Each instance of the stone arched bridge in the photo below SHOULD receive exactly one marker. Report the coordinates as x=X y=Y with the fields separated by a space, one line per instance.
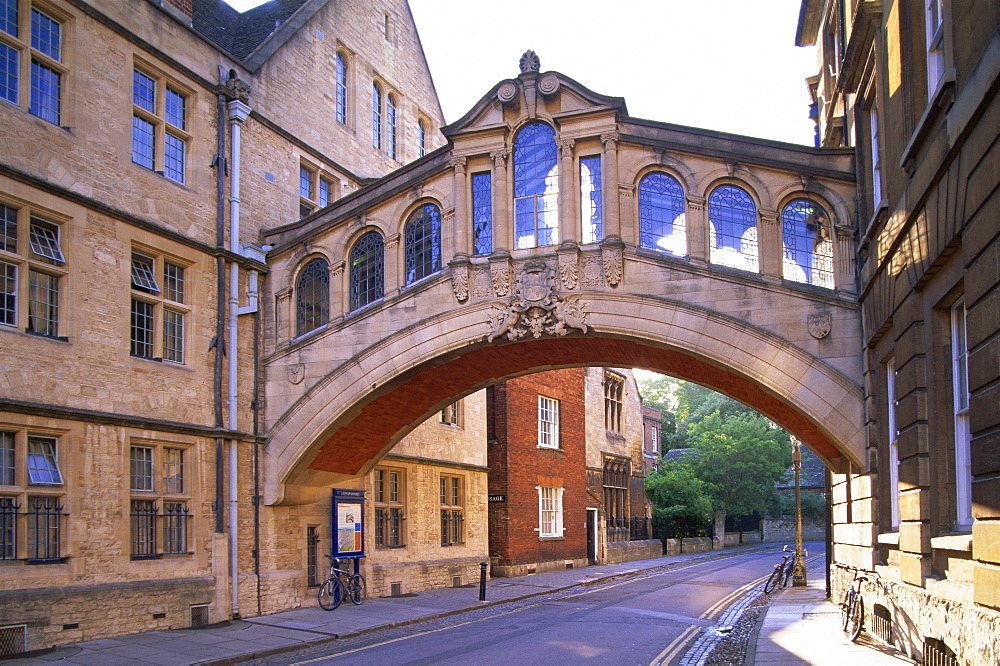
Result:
x=555 y=230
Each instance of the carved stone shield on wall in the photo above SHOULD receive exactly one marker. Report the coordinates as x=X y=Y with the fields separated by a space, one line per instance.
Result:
x=820 y=325
x=536 y=308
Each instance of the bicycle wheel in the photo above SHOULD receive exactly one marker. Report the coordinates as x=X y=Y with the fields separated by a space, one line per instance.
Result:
x=856 y=618
x=359 y=591
x=786 y=575
x=845 y=608
x=330 y=594
x=772 y=581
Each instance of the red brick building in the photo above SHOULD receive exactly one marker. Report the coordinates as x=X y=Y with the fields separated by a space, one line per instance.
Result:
x=536 y=453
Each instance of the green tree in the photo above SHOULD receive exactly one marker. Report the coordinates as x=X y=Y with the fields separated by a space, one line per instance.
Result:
x=680 y=497
x=740 y=458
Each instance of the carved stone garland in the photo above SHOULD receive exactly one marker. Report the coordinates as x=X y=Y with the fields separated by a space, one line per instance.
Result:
x=536 y=308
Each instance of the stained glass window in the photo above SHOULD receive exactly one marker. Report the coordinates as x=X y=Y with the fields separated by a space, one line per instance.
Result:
x=732 y=218
x=536 y=186
x=661 y=214
x=482 y=213
x=591 y=199
x=312 y=296
x=423 y=243
x=367 y=270
x=807 y=246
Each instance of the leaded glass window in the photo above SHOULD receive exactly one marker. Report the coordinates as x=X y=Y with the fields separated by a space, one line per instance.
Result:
x=141 y=340
x=732 y=218
x=661 y=214
x=6 y=458
x=376 y=116
x=143 y=277
x=807 y=246
x=46 y=80
x=173 y=470
x=312 y=296
x=9 y=67
x=8 y=228
x=8 y=294
x=591 y=199
x=43 y=240
x=482 y=213
x=141 y=468
x=341 y=89
x=43 y=303
x=43 y=515
x=536 y=186
x=173 y=336
x=175 y=515
x=367 y=270
x=43 y=462
x=390 y=126
x=423 y=243
x=421 y=138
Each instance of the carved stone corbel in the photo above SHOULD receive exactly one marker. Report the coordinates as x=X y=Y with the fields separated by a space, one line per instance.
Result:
x=460 y=268
x=392 y=242
x=500 y=273
x=613 y=258
x=695 y=203
x=569 y=264
x=337 y=269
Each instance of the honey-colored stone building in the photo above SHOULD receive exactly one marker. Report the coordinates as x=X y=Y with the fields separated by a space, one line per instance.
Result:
x=911 y=87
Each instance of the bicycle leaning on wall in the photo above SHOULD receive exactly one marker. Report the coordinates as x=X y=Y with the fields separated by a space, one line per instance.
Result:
x=852 y=608
x=339 y=584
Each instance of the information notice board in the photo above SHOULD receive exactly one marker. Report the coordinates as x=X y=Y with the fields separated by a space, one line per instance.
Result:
x=348 y=523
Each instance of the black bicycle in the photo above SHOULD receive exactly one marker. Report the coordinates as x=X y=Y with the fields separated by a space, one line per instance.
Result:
x=852 y=608
x=782 y=574
x=340 y=584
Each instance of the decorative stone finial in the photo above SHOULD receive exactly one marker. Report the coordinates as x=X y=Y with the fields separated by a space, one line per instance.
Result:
x=529 y=62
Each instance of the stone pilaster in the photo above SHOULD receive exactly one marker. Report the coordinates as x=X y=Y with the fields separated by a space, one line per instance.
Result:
x=769 y=245
x=568 y=217
x=696 y=224
x=462 y=220
x=503 y=231
x=612 y=223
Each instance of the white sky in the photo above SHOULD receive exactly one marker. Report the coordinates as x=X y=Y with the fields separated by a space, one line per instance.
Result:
x=728 y=65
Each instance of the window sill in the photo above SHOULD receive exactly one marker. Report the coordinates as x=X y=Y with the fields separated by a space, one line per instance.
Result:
x=136 y=558
x=959 y=542
x=549 y=448
x=57 y=338
x=47 y=560
x=551 y=538
x=888 y=539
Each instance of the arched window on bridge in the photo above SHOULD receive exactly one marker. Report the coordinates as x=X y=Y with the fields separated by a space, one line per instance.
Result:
x=423 y=243
x=536 y=186
x=732 y=218
x=367 y=270
x=807 y=244
x=661 y=214
x=312 y=297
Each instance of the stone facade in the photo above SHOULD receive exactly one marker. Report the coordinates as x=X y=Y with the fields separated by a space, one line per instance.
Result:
x=652 y=442
x=74 y=390
x=913 y=88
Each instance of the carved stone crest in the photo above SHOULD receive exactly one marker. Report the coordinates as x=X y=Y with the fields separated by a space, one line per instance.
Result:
x=536 y=308
x=820 y=325
x=592 y=273
x=482 y=284
x=296 y=372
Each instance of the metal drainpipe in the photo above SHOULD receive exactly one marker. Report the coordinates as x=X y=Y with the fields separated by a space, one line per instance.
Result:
x=238 y=112
x=220 y=239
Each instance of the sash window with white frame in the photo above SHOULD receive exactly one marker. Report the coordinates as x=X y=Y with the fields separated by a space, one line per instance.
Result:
x=548 y=423
x=963 y=435
x=550 y=512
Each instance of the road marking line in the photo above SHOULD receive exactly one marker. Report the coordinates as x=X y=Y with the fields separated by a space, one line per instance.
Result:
x=675 y=646
x=403 y=638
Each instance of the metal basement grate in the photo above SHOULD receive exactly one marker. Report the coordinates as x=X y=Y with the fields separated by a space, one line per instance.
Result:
x=882 y=623
x=937 y=653
x=13 y=640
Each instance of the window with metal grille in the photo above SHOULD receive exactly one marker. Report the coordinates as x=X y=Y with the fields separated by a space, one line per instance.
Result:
x=451 y=510
x=732 y=217
x=44 y=516
x=482 y=213
x=312 y=556
x=550 y=512
x=591 y=199
x=662 y=214
x=160 y=514
x=807 y=244
x=8 y=527
x=143 y=519
x=548 y=422
x=937 y=653
x=536 y=186
x=423 y=243
x=389 y=506
x=614 y=387
x=367 y=270
x=174 y=520
x=13 y=639
x=881 y=623
x=312 y=297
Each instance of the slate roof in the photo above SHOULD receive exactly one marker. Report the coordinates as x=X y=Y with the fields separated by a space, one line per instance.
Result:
x=241 y=34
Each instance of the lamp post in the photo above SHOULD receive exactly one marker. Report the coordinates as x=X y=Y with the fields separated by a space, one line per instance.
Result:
x=799 y=568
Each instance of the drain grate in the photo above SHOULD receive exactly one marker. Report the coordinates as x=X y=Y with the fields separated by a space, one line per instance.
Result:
x=13 y=639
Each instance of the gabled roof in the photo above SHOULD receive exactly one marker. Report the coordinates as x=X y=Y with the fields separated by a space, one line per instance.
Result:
x=254 y=35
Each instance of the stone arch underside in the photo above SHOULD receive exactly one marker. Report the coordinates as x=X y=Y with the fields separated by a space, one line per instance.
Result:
x=352 y=417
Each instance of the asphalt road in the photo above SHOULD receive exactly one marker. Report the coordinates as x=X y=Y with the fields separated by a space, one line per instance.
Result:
x=649 y=617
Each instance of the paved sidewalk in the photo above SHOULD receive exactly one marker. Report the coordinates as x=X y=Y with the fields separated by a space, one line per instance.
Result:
x=801 y=626
x=254 y=638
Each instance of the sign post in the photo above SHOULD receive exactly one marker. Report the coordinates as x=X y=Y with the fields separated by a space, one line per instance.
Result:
x=348 y=531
